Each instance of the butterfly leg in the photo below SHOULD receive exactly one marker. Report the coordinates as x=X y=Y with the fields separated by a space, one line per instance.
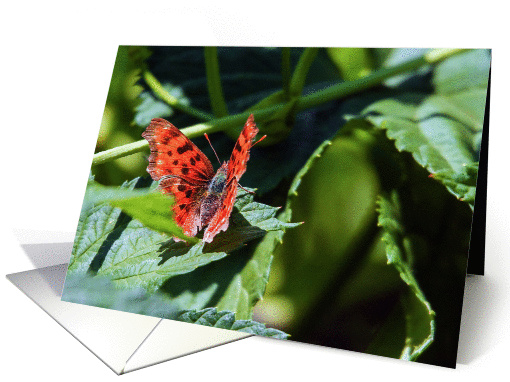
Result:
x=248 y=191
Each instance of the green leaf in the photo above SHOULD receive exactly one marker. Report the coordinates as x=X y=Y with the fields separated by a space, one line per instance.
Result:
x=258 y=214
x=151 y=107
x=226 y=320
x=461 y=72
x=420 y=318
x=397 y=56
x=133 y=254
x=462 y=184
x=98 y=225
x=442 y=131
x=154 y=210
x=302 y=172
x=353 y=63
x=150 y=207
x=134 y=262
x=249 y=284
x=334 y=194
x=101 y=292
x=117 y=122
x=243 y=277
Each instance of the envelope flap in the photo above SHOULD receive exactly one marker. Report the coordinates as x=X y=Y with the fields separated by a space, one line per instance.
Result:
x=172 y=339
x=113 y=336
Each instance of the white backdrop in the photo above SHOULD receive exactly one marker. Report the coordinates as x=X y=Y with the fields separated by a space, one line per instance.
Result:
x=56 y=63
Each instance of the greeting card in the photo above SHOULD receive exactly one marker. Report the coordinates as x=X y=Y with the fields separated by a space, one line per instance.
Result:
x=319 y=195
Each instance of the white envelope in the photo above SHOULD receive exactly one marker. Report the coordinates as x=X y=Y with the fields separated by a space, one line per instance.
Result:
x=123 y=341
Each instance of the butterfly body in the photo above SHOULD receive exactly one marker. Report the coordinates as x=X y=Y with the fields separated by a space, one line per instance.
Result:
x=211 y=200
x=202 y=196
x=217 y=183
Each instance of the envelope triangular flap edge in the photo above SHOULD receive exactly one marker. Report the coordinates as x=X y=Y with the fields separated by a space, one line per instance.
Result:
x=123 y=341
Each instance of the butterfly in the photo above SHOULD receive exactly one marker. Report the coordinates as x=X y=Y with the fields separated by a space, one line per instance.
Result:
x=202 y=197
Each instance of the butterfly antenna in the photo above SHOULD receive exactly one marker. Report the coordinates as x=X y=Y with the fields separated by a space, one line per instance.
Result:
x=207 y=137
x=259 y=140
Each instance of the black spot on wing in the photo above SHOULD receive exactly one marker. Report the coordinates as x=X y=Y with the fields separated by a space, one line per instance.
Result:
x=186 y=147
x=203 y=176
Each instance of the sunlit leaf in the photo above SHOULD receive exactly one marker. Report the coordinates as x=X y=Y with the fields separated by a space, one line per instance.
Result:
x=101 y=292
x=151 y=107
x=133 y=244
x=443 y=130
x=226 y=320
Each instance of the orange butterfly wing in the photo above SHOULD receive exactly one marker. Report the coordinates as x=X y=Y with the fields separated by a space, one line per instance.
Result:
x=236 y=168
x=181 y=169
x=241 y=152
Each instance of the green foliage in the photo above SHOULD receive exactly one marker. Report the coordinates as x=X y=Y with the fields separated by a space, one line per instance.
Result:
x=98 y=227
x=101 y=292
x=443 y=130
x=131 y=265
x=110 y=241
x=379 y=274
x=353 y=63
x=465 y=71
x=461 y=183
x=226 y=320
x=153 y=209
x=151 y=107
x=248 y=286
x=116 y=126
x=334 y=194
x=420 y=323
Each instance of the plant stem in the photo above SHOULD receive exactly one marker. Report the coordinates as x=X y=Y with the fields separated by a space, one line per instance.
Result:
x=212 y=70
x=437 y=55
x=299 y=77
x=119 y=152
x=286 y=72
x=194 y=131
x=314 y=99
x=158 y=89
x=349 y=87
